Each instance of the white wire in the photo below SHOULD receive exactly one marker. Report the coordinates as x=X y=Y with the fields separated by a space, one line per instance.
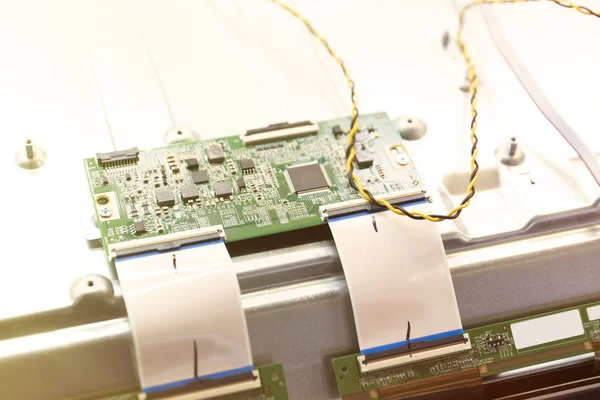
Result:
x=539 y=98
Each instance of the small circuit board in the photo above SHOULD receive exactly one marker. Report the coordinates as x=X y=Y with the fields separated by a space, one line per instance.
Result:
x=274 y=387
x=269 y=180
x=495 y=348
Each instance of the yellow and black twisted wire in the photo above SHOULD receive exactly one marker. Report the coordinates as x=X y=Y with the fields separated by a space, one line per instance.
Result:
x=353 y=179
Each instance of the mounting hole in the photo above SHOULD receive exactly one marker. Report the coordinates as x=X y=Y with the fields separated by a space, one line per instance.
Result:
x=275 y=377
x=344 y=369
x=102 y=200
x=90 y=283
x=409 y=121
x=179 y=132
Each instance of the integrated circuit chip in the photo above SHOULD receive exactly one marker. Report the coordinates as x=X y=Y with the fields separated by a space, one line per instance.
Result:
x=307 y=177
x=364 y=158
x=241 y=184
x=215 y=154
x=191 y=163
x=189 y=192
x=200 y=176
x=337 y=131
x=246 y=165
x=165 y=198
x=139 y=227
x=222 y=189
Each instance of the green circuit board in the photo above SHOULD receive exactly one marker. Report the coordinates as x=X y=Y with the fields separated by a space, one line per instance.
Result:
x=274 y=387
x=493 y=350
x=270 y=184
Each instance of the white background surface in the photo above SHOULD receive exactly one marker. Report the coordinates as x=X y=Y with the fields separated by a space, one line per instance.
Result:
x=72 y=72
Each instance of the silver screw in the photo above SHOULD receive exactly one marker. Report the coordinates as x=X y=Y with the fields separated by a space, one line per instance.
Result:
x=29 y=149
x=512 y=149
x=445 y=40
x=510 y=153
x=30 y=157
x=105 y=212
x=403 y=159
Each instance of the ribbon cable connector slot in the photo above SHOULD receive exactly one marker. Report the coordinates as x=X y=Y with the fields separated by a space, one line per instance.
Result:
x=209 y=388
x=360 y=205
x=165 y=242
x=414 y=351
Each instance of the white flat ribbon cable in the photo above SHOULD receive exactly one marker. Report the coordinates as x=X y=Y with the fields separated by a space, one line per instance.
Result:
x=186 y=315
x=399 y=282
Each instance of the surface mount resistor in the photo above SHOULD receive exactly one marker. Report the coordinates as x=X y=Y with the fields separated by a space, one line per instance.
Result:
x=172 y=163
x=231 y=166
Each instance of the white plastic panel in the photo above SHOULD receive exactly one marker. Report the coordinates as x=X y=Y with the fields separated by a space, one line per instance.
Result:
x=176 y=307
x=396 y=273
x=547 y=329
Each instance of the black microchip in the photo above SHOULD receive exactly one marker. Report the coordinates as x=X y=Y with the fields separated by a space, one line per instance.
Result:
x=246 y=165
x=189 y=192
x=337 y=130
x=191 y=163
x=364 y=158
x=222 y=189
x=165 y=198
x=307 y=177
x=215 y=154
x=241 y=184
x=139 y=227
x=199 y=177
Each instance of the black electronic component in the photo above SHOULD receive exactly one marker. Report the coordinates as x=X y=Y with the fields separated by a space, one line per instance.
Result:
x=200 y=176
x=139 y=227
x=128 y=176
x=215 y=154
x=241 y=184
x=364 y=158
x=104 y=180
x=189 y=192
x=118 y=157
x=165 y=197
x=222 y=189
x=191 y=163
x=337 y=130
x=246 y=165
x=307 y=177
